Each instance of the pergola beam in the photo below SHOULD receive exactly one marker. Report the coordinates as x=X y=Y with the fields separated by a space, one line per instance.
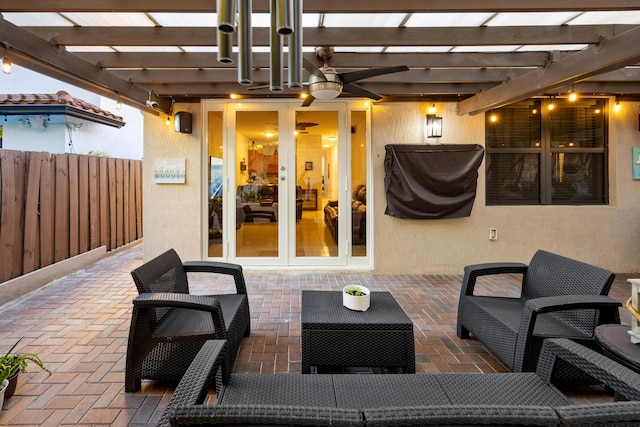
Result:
x=319 y=6
x=438 y=36
x=610 y=55
x=411 y=76
x=174 y=60
x=32 y=52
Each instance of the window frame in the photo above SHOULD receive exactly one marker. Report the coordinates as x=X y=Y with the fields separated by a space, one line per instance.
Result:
x=546 y=152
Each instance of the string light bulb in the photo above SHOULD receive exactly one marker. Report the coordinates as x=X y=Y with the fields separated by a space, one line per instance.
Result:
x=573 y=96
x=6 y=65
x=168 y=121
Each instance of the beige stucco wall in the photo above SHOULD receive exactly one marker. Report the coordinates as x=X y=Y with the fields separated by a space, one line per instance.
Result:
x=604 y=235
x=608 y=236
x=172 y=212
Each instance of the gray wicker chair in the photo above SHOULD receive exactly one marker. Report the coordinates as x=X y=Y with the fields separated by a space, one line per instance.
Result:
x=169 y=325
x=560 y=297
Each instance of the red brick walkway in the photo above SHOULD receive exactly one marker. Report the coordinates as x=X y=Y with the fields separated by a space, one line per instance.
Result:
x=79 y=326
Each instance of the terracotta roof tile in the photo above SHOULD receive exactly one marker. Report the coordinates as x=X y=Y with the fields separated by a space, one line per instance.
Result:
x=61 y=97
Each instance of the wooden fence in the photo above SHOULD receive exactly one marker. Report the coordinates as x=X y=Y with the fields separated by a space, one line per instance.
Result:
x=56 y=206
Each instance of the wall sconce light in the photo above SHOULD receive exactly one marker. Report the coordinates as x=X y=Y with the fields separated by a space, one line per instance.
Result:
x=617 y=107
x=118 y=104
x=434 y=126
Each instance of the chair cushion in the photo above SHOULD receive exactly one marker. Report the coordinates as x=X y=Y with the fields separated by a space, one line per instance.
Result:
x=505 y=389
x=274 y=389
x=364 y=390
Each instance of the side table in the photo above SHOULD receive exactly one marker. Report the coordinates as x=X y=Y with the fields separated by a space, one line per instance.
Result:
x=616 y=344
x=333 y=335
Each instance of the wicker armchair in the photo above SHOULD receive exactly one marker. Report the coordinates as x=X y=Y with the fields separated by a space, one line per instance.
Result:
x=169 y=325
x=560 y=297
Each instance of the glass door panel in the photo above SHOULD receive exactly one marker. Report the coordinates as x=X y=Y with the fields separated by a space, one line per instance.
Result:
x=316 y=174
x=358 y=183
x=215 y=184
x=256 y=178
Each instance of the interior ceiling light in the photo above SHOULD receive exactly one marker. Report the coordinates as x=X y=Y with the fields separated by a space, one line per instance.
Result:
x=269 y=134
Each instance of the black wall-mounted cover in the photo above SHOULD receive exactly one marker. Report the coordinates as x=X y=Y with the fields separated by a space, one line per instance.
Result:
x=183 y=122
x=431 y=181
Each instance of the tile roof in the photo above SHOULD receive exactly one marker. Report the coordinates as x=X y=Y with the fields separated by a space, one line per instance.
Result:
x=75 y=106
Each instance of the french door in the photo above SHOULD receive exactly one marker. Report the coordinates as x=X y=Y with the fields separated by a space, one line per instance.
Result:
x=279 y=185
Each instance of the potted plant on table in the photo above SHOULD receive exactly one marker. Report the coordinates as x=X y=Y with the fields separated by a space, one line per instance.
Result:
x=11 y=364
x=356 y=297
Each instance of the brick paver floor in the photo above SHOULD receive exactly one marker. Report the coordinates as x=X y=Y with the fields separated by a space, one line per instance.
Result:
x=79 y=326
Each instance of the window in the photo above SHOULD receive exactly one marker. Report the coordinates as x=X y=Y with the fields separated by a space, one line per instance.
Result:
x=547 y=152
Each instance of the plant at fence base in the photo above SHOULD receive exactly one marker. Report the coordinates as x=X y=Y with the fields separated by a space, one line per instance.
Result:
x=98 y=153
x=12 y=363
x=356 y=292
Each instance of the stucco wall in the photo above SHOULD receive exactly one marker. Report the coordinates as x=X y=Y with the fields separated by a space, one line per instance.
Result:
x=608 y=236
x=172 y=212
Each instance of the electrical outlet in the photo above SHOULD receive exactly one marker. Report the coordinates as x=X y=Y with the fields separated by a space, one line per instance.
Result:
x=493 y=234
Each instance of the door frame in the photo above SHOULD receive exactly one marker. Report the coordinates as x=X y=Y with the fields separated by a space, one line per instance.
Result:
x=286 y=157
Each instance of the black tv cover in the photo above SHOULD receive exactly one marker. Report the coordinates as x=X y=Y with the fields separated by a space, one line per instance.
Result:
x=431 y=181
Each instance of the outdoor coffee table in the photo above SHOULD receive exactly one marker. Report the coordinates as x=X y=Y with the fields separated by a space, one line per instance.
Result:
x=333 y=335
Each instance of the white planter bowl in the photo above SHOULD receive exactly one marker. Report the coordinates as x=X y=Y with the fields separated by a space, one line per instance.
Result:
x=357 y=303
x=3 y=387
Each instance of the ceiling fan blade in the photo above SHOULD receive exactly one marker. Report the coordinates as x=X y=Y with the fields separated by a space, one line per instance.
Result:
x=357 y=90
x=313 y=69
x=352 y=76
x=308 y=100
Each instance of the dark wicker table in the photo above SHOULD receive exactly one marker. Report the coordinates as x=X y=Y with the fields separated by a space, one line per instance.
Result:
x=616 y=343
x=333 y=335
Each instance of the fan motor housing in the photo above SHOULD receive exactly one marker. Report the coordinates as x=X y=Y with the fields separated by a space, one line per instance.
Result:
x=325 y=89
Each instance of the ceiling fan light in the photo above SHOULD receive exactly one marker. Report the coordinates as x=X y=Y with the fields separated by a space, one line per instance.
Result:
x=325 y=90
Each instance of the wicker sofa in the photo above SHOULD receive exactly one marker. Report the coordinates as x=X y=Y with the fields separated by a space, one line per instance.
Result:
x=404 y=399
x=560 y=297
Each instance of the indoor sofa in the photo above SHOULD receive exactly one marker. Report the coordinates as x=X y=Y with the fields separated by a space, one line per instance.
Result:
x=403 y=399
x=358 y=216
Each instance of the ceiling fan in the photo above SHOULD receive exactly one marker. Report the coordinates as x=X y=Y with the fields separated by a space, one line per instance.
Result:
x=326 y=83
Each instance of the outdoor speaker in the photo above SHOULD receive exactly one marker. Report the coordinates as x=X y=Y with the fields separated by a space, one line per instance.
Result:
x=182 y=121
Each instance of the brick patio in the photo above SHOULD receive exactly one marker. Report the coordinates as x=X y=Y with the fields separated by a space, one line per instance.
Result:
x=79 y=326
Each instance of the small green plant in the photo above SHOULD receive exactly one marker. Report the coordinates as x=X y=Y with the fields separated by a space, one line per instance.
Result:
x=12 y=363
x=98 y=153
x=356 y=292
